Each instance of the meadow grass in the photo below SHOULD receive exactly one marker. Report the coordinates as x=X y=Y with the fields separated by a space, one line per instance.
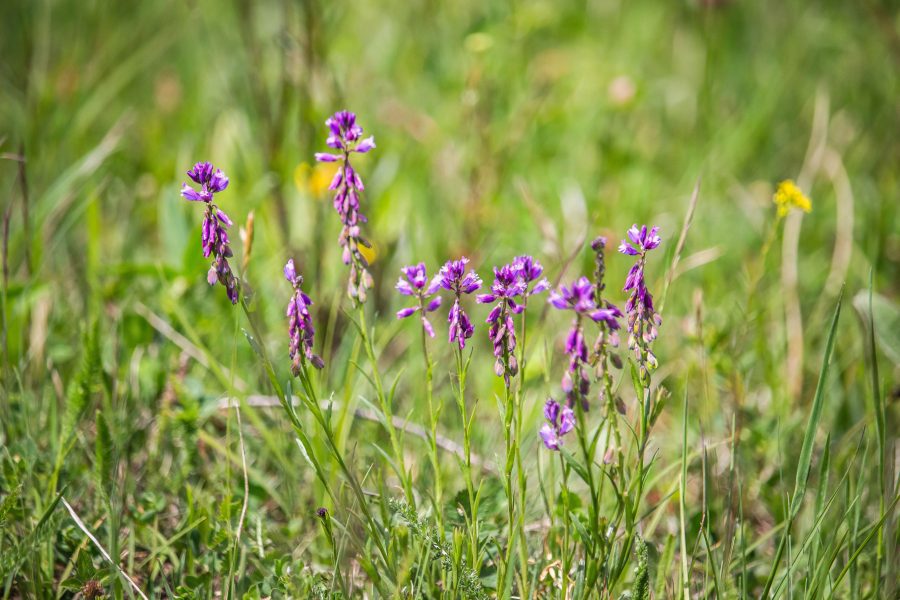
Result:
x=157 y=439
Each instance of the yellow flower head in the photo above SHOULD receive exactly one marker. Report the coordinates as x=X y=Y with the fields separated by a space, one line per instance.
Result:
x=789 y=196
x=369 y=253
x=314 y=179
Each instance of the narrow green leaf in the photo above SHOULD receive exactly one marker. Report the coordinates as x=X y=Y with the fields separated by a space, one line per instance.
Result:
x=103 y=456
x=575 y=465
x=809 y=436
x=807 y=447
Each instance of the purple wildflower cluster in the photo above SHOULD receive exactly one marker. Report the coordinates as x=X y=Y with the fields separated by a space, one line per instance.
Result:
x=560 y=421
x=300 y=327
x=506 y=287
x=608 y=336
x=345 y=136
x=579 y=298
x=513 y=284
x=510 y=282
x=529 y=271
x=214 y=233
x=643 y=321
x=454 y=278
x=416 y=284
x=585 y=299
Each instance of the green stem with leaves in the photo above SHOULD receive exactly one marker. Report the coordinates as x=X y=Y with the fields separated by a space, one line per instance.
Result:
x=433 y=416
x=462 y=368
x=385 y=404
x=508 y=415
x=566 y=529
x=311 y=401
x=520 y=469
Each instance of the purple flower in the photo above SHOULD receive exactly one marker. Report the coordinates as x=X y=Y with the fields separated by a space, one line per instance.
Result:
x=642 y=240
x=508 y=284
x=300 y=327
x=560 y=421
x=580 y=299
x=607 y=317
x=643 y=321
x=214 y=231
x=453 y=277
x=530 y=270
x=345 y=136
x=415 y=285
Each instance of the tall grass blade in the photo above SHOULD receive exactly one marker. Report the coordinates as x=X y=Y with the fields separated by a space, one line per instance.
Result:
x=806 y=450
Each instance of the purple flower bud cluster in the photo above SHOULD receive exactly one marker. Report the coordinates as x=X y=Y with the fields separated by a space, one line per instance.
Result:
x=416 y=284
x=560 y=421
x=643 y=321
x=510 y=282
x=607 y=337
x=214 y=233
x=453 y=277
x=529 y=271
x=580 y=299
x=300 y=327
x=345 y=136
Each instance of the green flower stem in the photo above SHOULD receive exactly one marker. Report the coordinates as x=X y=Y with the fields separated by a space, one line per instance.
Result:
x=386 y=409
x=433 y=416
x=508 y=484
x=312 y=404
x=566 y=566
x=461 y=371
x=522 y=480
x=637 y=483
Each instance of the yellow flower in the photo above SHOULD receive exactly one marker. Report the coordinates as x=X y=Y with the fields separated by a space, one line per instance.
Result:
x=789 y=196
x=314 y=179
x=370 y=254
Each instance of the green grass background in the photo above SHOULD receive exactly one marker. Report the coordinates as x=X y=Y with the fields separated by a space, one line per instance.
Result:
x=502 y=128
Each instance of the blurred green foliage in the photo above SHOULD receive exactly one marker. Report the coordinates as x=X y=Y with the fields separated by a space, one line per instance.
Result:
x=502 y=128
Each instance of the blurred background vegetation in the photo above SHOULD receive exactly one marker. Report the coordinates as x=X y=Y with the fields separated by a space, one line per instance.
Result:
x=503 y=128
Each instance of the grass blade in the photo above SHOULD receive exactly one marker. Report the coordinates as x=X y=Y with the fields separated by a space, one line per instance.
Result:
x=809 y=436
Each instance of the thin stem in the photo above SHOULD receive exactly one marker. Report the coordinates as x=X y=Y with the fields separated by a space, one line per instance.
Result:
x=313 y=405
x=386 y=408
x=511 y=453
x=638 y=482
x=508 y=482
x=470 y=485
x=581 y=428
x=316 y=410
x=438 y=492
x=566 y=533
x=523 y=482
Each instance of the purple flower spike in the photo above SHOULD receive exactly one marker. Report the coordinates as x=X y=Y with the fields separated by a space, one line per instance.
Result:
x=300 y=327
x=641 y=240
x=416 y=284
x=560 y=421
x=345 y=136
x=508 y=285
x=530 y=270
x=201 y=173
x=453 y=277
x=344 y=130
x=214 y=231
x=643 y=321
x=580 y=298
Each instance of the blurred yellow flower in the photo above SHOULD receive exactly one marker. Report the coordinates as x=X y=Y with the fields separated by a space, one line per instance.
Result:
x=370 y=254
x=315 y=179
x=789 y=196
